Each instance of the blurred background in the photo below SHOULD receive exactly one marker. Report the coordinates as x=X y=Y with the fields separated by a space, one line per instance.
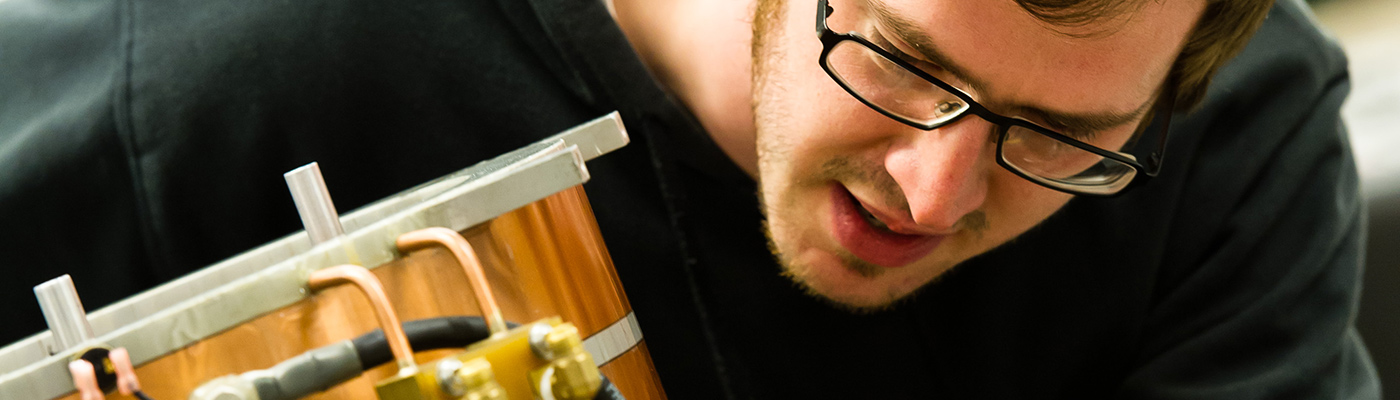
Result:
x=1369 y=30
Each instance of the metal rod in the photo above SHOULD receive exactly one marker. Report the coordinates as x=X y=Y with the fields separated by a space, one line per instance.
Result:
x=369 y=284
x=62 y=309
x=313 y=202
x=462 y=250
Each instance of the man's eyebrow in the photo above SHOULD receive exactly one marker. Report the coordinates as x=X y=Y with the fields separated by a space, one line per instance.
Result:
x=1083 y=122
x=1060 y=121
x=922 y=43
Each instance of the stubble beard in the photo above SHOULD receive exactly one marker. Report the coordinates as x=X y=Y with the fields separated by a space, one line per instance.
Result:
x=773 y=150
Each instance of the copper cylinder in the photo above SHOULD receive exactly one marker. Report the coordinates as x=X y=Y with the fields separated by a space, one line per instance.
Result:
x=542 y=260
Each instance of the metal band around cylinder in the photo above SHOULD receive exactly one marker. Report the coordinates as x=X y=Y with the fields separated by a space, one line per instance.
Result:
x=613 y=341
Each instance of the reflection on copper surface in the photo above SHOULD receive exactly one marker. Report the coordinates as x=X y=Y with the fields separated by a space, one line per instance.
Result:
x=462 y=250
x=388 y=321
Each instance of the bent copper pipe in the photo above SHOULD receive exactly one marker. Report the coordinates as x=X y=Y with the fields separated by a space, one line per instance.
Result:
x=467 y=257
x=369 y=284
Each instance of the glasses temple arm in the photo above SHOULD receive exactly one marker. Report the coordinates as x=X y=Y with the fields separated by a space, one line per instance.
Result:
x=823 y=11
x=1154 y=160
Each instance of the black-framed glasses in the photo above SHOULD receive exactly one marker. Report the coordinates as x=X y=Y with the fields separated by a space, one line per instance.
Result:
x=1075 y=164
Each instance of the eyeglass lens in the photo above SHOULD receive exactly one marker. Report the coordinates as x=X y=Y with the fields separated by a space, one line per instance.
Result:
x=892 y=87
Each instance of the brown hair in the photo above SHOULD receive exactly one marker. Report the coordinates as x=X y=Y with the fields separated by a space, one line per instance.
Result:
x=1225 y=27
x=1223 y=30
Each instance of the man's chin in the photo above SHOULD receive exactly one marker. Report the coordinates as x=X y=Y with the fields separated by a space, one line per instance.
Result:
x=848 y=283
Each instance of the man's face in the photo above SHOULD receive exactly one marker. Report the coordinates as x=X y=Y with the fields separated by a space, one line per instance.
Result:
x=864 y=210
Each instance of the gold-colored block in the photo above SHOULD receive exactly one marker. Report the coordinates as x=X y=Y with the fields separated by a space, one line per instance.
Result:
x=406 y=386
x=505 y=366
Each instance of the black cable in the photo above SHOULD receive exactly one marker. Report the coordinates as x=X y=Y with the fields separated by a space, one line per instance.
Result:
x=141 y=395
x=423 y=334
x=607 y=391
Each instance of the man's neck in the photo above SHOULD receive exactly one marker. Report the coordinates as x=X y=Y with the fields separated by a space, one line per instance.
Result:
x=699 y=49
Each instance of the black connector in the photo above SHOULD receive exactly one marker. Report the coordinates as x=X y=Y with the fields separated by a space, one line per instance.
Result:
x=607 y=391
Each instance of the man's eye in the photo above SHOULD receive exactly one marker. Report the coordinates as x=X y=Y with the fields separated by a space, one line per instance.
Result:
x=931 y=68
x=1083 y=136
x=900 y=54
x=924 y=65
x=1077 y=134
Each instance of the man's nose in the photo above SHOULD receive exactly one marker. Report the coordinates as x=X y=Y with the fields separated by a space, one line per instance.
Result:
x=943 y=172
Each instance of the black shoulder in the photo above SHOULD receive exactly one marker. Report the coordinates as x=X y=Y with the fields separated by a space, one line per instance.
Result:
x=1289 y=55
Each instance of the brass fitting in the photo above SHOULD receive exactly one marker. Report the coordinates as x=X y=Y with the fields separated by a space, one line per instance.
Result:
x=571 y=374
x=480 y=381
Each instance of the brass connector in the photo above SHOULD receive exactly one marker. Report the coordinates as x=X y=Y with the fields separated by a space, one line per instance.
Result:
x=508 y=365
x=571 y=374
x=479 y=381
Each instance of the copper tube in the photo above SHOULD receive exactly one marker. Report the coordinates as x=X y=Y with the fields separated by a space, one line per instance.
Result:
x=467 y=257
x=369 y=284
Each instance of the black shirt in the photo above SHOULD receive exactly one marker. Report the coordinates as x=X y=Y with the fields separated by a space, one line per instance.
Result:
x=141 y=140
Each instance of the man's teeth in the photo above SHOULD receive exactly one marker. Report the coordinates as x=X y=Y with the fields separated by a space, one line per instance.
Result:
x=875 y=222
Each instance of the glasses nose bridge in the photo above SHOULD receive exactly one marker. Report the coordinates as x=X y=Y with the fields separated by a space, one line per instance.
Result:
x=950 y=140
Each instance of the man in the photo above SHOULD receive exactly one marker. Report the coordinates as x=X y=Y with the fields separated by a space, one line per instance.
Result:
x=917 y=164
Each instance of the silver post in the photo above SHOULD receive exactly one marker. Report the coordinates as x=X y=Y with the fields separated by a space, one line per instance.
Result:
x=64 y=312
x=313 y=201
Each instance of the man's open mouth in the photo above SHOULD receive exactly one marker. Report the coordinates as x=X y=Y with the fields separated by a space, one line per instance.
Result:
x=874 y=222
x=869 y=238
